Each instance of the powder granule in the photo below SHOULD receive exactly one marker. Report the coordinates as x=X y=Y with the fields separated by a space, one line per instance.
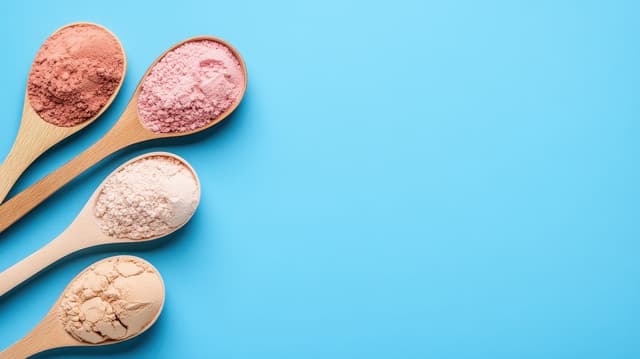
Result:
x=114 y=299
x=147 y=198
x=190 y=87
x=74 y=74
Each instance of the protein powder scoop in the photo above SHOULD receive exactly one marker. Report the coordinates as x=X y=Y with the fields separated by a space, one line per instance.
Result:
x=113 y=300
x=147 y=198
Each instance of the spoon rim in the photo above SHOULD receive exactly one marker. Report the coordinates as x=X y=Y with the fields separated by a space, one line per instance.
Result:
x=111 y=98
x=218 y=119
x=90 y=205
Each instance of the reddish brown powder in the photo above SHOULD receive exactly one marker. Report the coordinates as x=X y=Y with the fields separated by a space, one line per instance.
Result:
x=74 y=74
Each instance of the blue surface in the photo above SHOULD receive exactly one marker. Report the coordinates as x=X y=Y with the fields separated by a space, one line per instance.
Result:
x=452 y=179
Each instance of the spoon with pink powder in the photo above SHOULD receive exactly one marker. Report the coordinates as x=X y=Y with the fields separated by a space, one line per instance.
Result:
x=149 y=197
x=74 y=77
x=193 y=86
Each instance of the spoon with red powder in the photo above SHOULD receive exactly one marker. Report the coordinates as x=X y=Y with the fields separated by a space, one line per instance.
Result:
x=74 y=77
x=191 y=87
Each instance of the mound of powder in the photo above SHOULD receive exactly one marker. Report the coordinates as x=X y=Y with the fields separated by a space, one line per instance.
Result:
x=113 y=299
x=190 y=87
x=74 y=74
x=147 y=198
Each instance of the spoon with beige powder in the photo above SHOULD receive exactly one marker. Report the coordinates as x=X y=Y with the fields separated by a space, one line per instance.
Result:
x=74 y=77
x=193 y=86
x=147 y=198
x=113 y=300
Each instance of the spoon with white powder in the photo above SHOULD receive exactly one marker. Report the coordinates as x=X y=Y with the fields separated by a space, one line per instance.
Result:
x=147 y=198
x=113 y=300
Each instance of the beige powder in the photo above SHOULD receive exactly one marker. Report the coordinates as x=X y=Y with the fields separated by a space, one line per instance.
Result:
x=114 y=299
x=150 y=197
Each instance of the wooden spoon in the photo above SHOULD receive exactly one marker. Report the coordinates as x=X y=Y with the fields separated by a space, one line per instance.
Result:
x=51 y=334
x=36 y=135
x=127 y=131
x=83 y=233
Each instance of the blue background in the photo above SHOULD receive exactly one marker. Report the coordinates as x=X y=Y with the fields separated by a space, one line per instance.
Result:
x=426 y=179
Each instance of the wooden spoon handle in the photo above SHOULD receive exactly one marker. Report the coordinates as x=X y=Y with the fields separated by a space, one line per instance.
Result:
x=11 y=169
x=36 y=262
x=34 y=138
x=26 y=347
x=48 y=334
x=22 y=203
x=15 y=208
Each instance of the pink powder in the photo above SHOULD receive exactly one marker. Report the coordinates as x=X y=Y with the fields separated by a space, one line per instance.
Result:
x=190 y=87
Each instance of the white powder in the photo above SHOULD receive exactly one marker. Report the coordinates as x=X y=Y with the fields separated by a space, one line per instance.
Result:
x=148 y=198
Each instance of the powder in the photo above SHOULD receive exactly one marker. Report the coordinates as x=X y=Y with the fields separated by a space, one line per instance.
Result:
x=74 y=74
x=147 y=198
x=114 y=299
x=190 y=87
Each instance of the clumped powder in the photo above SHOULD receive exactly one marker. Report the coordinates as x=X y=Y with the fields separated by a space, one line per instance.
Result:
x=147 y=198
x=74 y=74
x=114 y=299
x=190 y=87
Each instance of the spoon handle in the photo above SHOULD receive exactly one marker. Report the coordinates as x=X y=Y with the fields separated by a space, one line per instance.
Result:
x=46 y=335
x=37 y=261
x=26 y=347
x=11 y=169
x=122 y=135
x=22 y=203
x=34 y=138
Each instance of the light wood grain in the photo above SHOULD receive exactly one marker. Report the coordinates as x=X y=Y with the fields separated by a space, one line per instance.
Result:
x=50 y=333
x=81 y=234
x=127 y=131
x=47 y=335
x=36 y=136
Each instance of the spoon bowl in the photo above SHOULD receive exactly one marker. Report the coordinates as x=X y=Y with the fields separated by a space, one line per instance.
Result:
x=84 y=232
x=36 y=135
x=127 y=131
x=51 y=334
